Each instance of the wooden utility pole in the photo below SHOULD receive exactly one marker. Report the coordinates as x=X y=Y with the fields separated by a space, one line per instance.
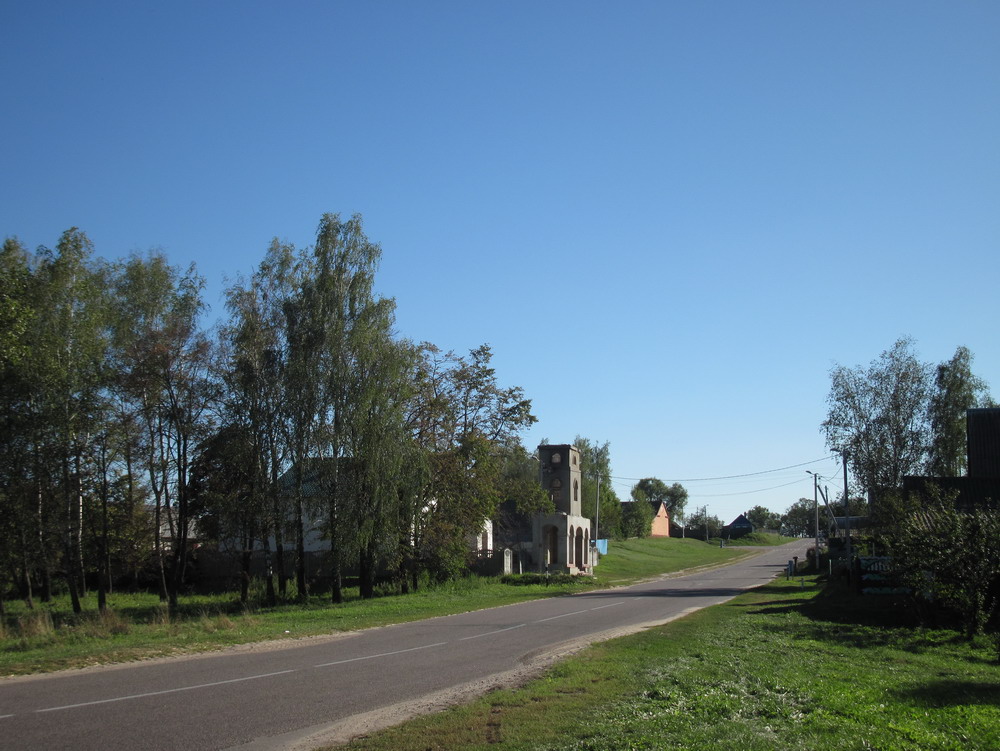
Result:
x=847 y=509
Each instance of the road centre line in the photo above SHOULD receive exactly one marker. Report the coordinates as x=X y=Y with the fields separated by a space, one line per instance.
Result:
x=322 y=665
x=382 y=654
x=490 y=633
x=564 y=615
x=165 y=691
x=581 y=612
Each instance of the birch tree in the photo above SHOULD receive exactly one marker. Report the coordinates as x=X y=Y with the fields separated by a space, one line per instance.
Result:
x=878 y=415
x=955 y=391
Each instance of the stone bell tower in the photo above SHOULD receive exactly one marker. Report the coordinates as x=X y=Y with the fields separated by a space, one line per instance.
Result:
x=561 y=540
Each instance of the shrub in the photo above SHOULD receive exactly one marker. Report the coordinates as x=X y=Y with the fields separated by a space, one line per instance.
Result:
x=35 y=624
x=522 y=580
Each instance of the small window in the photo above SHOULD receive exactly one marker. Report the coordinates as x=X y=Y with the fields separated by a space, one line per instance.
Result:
x=557 y=458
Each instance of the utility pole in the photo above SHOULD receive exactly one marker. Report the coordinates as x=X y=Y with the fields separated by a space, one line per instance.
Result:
x=597 y=518
x=847 y=509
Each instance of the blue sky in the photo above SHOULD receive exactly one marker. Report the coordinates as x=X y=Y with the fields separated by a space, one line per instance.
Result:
x=669 y=220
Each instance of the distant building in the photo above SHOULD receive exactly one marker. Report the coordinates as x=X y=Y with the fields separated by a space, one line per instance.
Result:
x=738 y=527
x=661 y=520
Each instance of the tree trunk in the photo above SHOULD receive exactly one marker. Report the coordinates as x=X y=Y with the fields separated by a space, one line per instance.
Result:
x=366 y=569
x=179 y=558
x=158 y=549
x=78 y=526
x=26 y=591
x=300 y=544
x=43 y=553
x=246 y=558
x=279 y=562
x=270 y=596
x=70 y=563
x=104 y=572
x=157 y=486
x=336 y=568
x=71 y=580
x=279 y=529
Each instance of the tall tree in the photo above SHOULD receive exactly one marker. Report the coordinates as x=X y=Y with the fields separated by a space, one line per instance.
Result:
x=955 y=390
x=18 y=503
x=878 y=415
x=359 y=402
x=165 y=367
x=345 y=385
x=69 y=347
x=254 y=372
x=799 y=520
x=673 y=496
x=467 y=428
x=595 y=471
x=763 y=518
x=15 y=308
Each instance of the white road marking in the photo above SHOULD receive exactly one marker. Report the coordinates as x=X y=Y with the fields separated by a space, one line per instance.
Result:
x=490 y=633
x=5 y=716
x=165 y=691
x=564 y=615
x=601 y=607
x=383 y=654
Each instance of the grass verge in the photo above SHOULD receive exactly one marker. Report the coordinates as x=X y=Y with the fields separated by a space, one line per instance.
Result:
x=777 y=668
x=51 y=637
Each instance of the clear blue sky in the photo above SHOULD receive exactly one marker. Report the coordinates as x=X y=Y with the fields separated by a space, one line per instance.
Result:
x=669 y=219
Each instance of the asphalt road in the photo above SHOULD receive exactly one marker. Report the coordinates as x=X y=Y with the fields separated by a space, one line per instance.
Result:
x=299 y=695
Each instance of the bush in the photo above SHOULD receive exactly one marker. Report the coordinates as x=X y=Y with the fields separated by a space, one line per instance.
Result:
x=949 y=558
x=523 y=580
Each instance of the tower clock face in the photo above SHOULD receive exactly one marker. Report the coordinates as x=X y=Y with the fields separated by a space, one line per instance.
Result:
x=556 y=458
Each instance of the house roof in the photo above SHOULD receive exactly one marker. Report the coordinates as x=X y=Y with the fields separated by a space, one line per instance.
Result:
x=657 y=505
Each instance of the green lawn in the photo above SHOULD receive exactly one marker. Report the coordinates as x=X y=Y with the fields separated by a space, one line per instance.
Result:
x=50 y=637
x=778 y=668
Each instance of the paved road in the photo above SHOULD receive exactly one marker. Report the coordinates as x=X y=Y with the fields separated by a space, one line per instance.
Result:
x=280 y=698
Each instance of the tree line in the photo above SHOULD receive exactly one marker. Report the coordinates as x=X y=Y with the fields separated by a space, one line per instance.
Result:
x=125 y=422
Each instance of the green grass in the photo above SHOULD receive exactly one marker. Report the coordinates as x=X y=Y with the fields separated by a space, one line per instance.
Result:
x=51 y=637
x=631 y=560
x=777 y=668
x=761 y=538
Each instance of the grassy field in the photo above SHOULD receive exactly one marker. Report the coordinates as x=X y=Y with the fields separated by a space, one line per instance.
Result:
x=778 y=668
x=50 y=637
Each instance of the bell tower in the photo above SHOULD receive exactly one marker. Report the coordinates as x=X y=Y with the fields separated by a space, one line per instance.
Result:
x=561 y=476
x=561 y=539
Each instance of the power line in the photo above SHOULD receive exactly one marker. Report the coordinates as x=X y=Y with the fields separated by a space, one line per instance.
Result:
x=748 y=492
x=733 y=477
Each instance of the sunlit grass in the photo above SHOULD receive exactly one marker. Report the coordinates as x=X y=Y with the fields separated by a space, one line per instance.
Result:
x=778 y=668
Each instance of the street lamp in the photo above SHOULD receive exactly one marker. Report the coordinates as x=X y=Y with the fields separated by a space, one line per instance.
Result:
x=816 y=479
